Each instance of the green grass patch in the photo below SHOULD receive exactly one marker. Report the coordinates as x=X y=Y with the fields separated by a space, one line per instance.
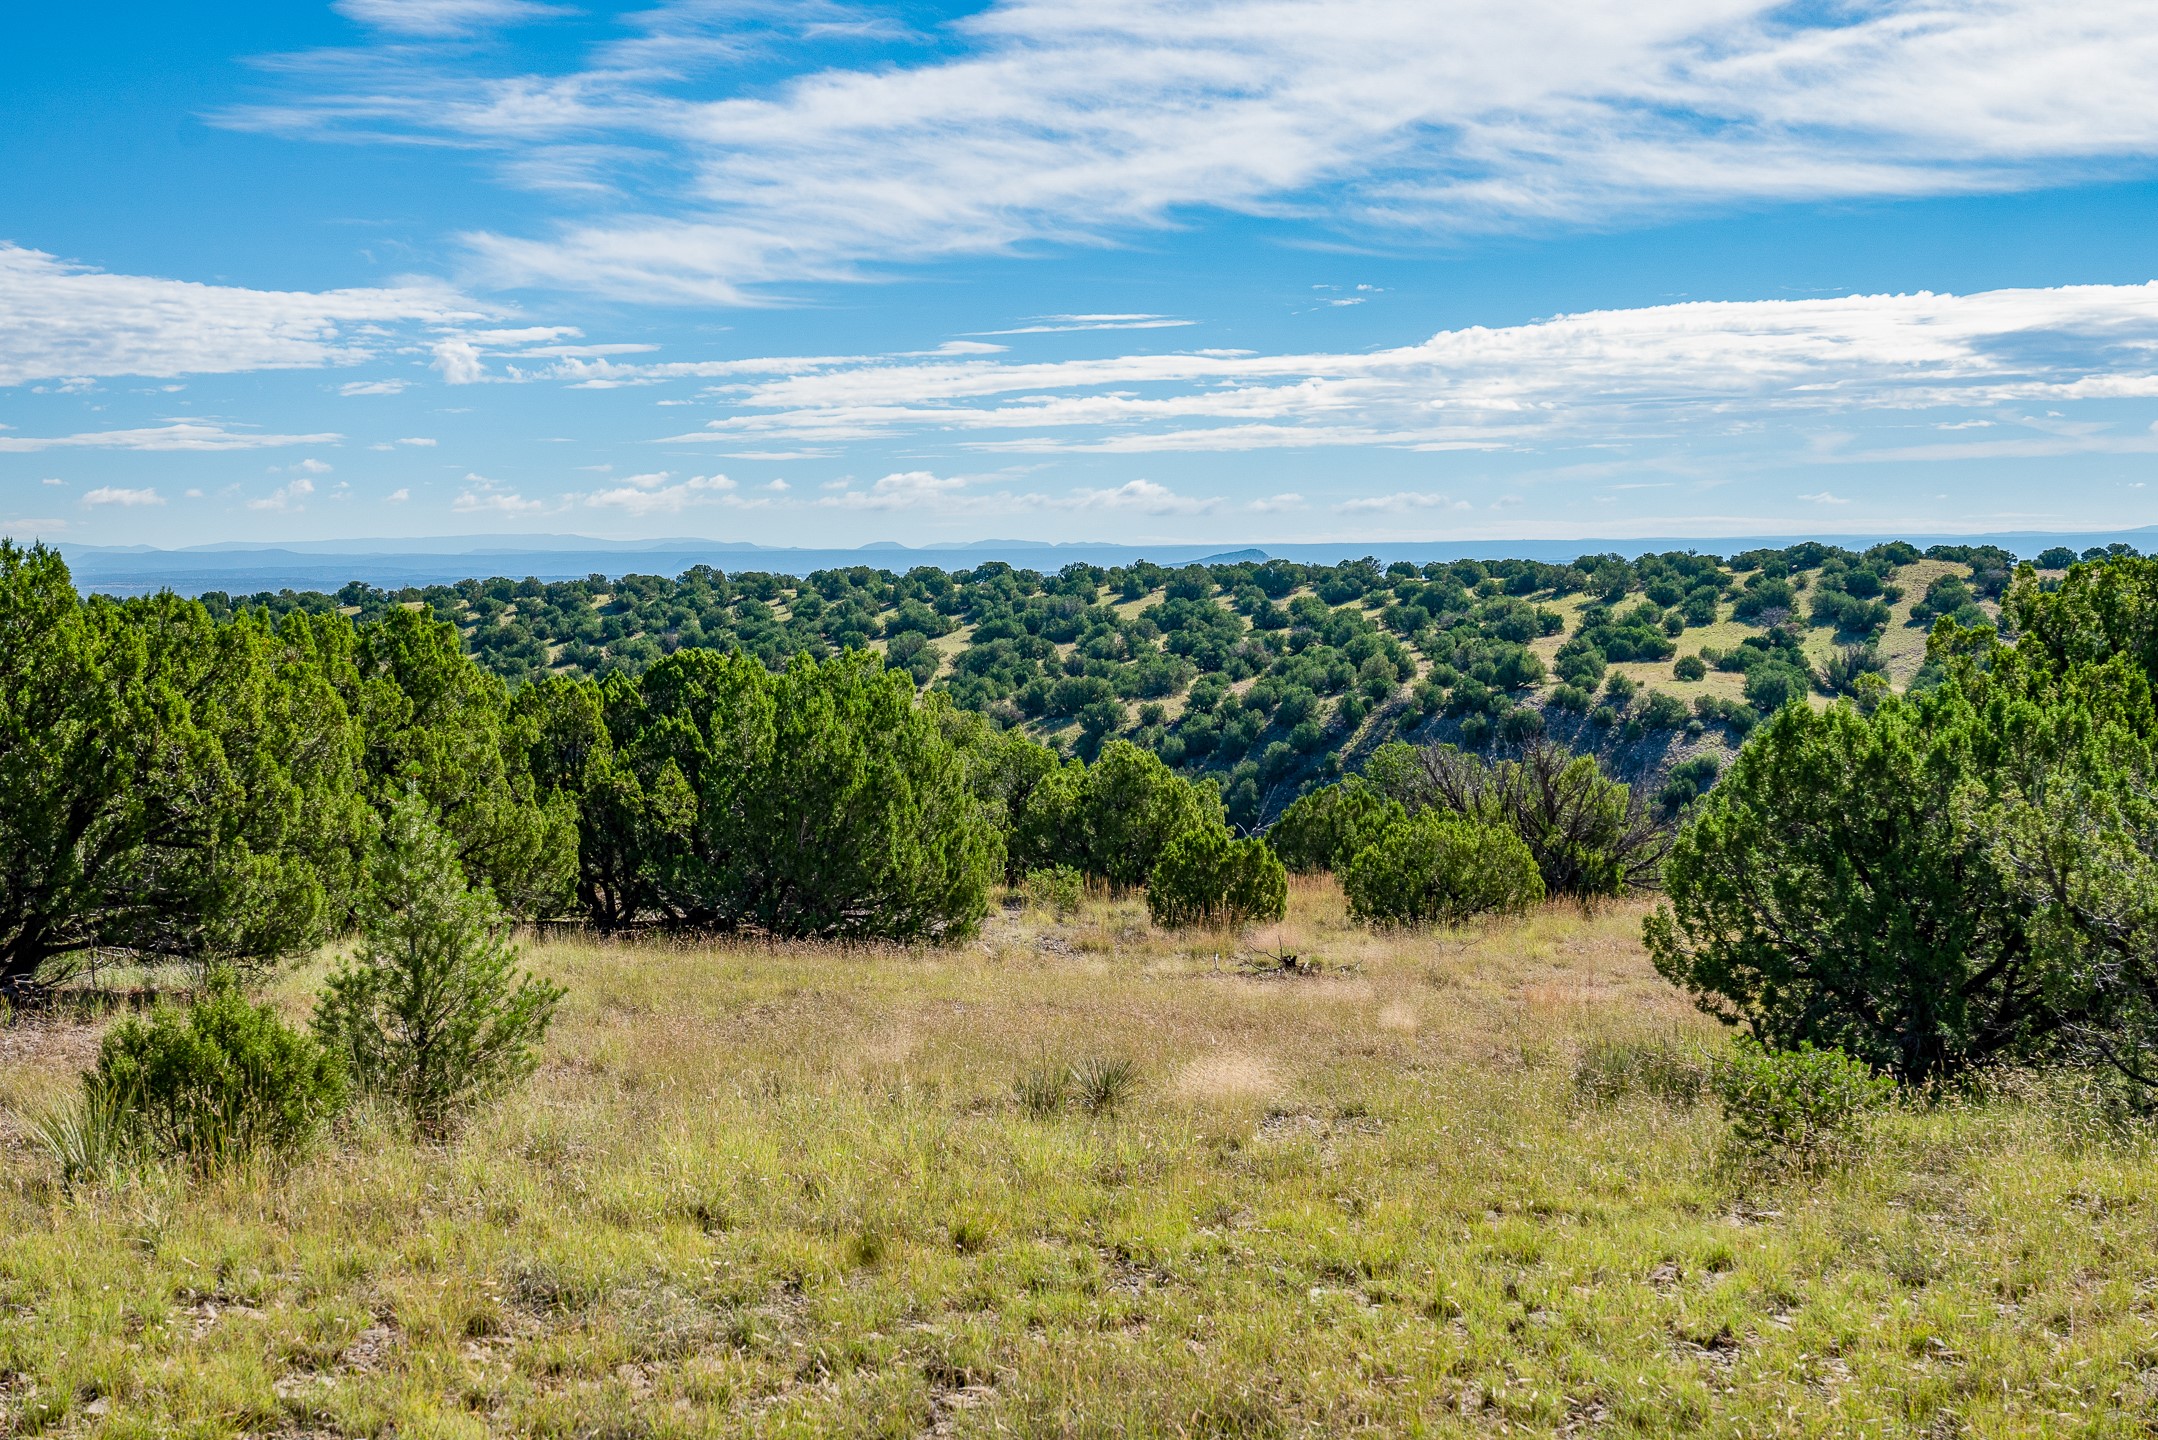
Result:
x=1463 y=1183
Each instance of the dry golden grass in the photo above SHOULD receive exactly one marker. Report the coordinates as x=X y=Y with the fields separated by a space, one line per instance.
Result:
x=781 y=1190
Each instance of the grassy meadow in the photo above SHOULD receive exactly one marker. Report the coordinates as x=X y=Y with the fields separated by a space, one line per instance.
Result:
x=1082 y=1177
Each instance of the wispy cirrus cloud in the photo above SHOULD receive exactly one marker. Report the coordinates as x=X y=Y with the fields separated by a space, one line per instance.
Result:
x=60 y=319
x=179 y=435
x=1070 y=324
x=1613 y=374
x=1083 y=121
x=1400 y=500
x=439 y=18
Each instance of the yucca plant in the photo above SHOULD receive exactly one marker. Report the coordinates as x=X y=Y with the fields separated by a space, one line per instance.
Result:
x=91 y=1140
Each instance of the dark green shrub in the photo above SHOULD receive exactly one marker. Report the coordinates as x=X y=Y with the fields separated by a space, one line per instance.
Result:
x=431 y=1015
x=217 y=1082
x=1833 y=889
x=1520 y=723
x=822 y=801
x=1113 y=819
x=1687 y=782
x=1689 y=667
x=1590 y=835
x=1206 y=878
x=1764 y=595
x=1795 y=1107
x=1739 y=717
x=1580 y=663
x=1662 y=711
x=1949 y=596
x=1441 y=869
x=1324 y=829
x=1842 y=671
x=1774 y=684
x=1570 y=697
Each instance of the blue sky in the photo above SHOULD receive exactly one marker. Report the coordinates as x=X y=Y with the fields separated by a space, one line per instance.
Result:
x=1218 y=270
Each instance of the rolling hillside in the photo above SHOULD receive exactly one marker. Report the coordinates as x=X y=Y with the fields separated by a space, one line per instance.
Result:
x=1270 y=675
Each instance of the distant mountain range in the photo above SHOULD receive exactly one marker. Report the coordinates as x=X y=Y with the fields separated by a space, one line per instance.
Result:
x=243 y=568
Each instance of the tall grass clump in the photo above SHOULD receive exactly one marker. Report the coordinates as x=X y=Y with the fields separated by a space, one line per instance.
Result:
x=1102 y=1086
x=1057 y=889
x=1043 y=1091
x=92 y=1140
x=1099 y=1085
x=1661 y=1067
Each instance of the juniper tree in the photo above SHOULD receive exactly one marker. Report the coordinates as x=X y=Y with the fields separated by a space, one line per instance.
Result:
x=432 y=1014
x=170 y=784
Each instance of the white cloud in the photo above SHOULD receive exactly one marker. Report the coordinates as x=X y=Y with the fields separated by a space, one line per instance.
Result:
x=374 y=387
x=311 y=466
x=62 y=319
x=459 y=361
x=1401 y=500
x=436 y=18
x=421 y=442
x=179 y=435
x=1142 y=497
x=484 y=496
x=286 y=497
x=398 y=496
x=905 y=490
x=1606 y=374
x=918 y=492
x=655 y=495
x=1066 y=324
x=524 y=335
x=1823 y=497
x=583 y=352
x=126 y=499
x=1085 y=120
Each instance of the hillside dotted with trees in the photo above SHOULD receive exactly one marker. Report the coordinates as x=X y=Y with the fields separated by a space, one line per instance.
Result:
x=1270 y=676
